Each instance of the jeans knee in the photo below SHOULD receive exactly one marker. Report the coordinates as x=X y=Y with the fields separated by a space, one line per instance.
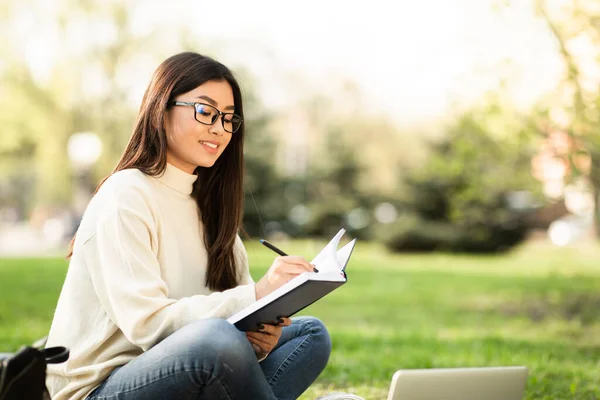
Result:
x=319 y=335
x=219 y=342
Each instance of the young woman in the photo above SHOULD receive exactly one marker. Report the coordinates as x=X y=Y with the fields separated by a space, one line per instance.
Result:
x=157 y=264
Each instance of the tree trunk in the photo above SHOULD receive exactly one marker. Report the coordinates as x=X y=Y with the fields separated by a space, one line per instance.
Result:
x=596 y=192
x=595 y=180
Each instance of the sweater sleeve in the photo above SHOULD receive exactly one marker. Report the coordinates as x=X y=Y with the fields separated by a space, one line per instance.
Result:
x=126 y=276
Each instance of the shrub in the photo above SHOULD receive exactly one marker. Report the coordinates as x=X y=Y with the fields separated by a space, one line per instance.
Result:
x=460 y=200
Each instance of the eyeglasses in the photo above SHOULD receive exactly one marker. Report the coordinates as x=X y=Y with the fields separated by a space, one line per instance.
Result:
x=208 y=115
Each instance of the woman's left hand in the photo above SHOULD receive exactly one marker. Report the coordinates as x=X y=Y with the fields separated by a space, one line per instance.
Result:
x=266 y=339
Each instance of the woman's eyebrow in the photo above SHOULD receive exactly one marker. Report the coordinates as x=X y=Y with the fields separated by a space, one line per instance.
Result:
x=214 y=103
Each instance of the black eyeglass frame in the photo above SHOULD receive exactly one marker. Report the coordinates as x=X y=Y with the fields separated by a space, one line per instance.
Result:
x=220 y=114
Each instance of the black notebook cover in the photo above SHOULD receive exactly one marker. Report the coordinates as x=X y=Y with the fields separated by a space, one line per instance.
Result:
x=301 y=291
x=288 y=304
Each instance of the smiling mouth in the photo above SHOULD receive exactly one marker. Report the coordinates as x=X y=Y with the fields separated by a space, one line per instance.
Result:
x=209 y=144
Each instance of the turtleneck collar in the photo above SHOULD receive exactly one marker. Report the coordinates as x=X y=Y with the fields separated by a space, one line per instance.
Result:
x=178 y=180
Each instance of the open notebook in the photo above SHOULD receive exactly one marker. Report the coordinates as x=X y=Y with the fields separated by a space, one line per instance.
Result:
x=301 y=291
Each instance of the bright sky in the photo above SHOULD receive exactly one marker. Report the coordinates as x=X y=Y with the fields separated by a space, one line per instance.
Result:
x=412 y=59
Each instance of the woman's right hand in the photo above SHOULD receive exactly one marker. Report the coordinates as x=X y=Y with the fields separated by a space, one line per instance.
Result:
x=282 y=270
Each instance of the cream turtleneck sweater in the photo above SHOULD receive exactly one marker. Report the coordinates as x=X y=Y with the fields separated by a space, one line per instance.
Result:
x=137 y=274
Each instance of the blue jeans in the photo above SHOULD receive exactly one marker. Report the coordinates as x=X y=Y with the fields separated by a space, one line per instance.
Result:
x=211 y=359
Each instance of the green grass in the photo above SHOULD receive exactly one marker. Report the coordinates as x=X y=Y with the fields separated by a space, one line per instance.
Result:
x=539 y=307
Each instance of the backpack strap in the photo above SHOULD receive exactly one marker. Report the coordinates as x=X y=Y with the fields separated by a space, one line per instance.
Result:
x=55 y=355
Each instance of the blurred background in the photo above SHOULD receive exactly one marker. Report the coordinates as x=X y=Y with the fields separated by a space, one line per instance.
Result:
x=432 y=125
x=447 y=129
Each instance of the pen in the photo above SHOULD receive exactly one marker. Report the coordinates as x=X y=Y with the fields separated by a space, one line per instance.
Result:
x=276 y=250
x=270 y=246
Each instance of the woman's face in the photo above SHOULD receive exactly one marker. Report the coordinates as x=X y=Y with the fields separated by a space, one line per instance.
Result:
x=191 y=144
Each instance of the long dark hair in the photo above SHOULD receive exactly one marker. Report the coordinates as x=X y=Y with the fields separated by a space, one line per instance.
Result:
x=218 y=191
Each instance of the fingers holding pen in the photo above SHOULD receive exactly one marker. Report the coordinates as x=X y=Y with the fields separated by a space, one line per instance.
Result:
x=290 y=259
x=283 y=269
x=300 y=261
x=293 y=264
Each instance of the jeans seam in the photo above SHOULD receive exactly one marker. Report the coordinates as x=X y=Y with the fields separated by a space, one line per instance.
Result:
x=108 y=397
x=284 y=362
x=223 y=387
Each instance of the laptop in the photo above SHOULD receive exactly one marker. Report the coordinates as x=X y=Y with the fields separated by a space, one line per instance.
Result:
x=485 y=383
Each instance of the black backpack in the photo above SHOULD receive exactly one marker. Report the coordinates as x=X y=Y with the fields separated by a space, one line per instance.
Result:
x=23 y=374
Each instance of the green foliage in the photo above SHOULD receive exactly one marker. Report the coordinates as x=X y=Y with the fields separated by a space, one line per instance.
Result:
x=328 y=192
x=409 y=233
x=332 y=185
x=262 y=182
x=577 y=22
x=81 y=89
x=537 y=307
x=461 y=197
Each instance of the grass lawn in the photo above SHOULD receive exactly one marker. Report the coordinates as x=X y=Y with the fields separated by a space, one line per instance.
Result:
x=538 y=306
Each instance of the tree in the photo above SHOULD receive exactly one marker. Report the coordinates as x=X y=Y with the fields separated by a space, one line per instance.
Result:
x=263 y=185
x=90 y=81
x=578 y=23
x=81 y=90
x=475 y=191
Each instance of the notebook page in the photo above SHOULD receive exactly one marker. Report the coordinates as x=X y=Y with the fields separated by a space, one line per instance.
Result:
x=327 y=259
x=343 y=254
